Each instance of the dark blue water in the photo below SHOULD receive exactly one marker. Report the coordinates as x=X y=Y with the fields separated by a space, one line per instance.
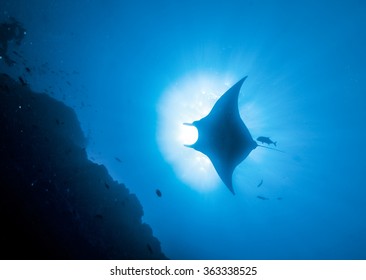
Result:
x=134 y=71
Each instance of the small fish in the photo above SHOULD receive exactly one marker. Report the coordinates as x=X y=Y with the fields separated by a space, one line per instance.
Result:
x=17 y=54
x=264 y=139
x=22 y=81
x=262 y=197
x=260 y=183
x=279 y=198
x=158 y=193
x=27 y=69
x=149 y=249
x=118 y=159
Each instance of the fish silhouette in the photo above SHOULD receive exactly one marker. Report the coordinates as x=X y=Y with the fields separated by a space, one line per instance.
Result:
x=267 y=140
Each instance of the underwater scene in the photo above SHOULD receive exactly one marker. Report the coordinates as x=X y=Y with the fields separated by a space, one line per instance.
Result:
x=183 y=129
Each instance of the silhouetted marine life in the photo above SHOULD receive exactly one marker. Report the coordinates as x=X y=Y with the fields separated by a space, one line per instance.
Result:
x=149 y=248
x=264 y=139
x=158 y=193
x=17 y=54
x=260 y=183
x=22 y=81
x=223 y=136
x=262 y=197
x=118 y=159
x=58 y=122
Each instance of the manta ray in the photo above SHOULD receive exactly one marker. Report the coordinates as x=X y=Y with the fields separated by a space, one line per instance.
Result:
x=223 y=137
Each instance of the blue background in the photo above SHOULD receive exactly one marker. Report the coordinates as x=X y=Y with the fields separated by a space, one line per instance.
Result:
x=115 y=62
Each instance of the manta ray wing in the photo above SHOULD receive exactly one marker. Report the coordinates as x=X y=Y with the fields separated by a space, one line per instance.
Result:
x=223 y=136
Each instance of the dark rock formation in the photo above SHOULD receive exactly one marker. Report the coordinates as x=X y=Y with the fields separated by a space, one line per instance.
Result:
x=54 y=202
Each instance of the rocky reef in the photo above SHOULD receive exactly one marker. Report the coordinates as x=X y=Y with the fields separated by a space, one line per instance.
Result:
x=54 y=202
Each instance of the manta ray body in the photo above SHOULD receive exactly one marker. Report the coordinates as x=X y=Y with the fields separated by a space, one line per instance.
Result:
x=223 y=137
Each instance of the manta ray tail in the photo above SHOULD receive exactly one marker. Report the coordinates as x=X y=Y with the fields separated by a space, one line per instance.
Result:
x=271 y=148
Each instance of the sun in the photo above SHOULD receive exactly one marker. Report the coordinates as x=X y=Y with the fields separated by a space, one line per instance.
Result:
x=188 y=135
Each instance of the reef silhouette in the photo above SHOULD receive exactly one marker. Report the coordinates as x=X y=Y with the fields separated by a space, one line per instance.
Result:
x=54 y=202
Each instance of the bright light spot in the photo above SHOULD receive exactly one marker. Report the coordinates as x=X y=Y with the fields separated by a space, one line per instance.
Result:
x=188 y=134
x=188 y=100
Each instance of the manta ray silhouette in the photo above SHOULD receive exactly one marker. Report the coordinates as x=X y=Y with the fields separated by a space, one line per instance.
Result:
x=223 y=137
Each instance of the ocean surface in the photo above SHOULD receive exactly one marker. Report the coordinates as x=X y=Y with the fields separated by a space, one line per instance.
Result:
x=135 y=71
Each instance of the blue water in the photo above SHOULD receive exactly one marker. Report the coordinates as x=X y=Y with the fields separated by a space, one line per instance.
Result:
x=134 y=70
